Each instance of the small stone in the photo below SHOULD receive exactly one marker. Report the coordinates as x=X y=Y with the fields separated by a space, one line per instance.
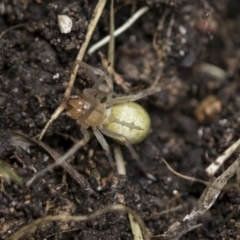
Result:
x=64 y=24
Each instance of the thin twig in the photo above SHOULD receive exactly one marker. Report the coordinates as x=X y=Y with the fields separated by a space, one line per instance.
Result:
x=117 y=77
x=136 y=230
x=12 y=28
x=214 y=166
x=120 y=30
x=32 y=227
x=111 y=46
x=205 y=202
x=96 y=15
x=62 y=161
x=184 y=176
x=67 y=167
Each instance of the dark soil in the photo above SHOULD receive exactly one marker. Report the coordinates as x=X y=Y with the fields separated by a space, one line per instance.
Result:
x=194 y=118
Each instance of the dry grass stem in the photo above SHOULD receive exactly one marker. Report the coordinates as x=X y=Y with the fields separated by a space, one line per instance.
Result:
x=136 y=230
x=205 y=202
x=214 y=166
x=16 y=137
x=32 y=227
x=120 y=30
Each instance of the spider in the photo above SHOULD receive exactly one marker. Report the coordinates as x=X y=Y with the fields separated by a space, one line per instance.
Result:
x=119 y=118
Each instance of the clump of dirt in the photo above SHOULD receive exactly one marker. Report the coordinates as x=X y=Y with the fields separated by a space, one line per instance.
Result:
x=191 y=49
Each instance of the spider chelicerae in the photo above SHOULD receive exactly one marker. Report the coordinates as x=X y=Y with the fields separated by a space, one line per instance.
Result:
x=119 y=118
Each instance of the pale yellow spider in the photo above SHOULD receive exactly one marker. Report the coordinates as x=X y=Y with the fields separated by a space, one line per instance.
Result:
x=119 y=118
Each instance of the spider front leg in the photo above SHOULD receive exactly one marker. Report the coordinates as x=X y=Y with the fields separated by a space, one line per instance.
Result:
x=123 y=140
x=95 y=71
x=99 y=90
x=54 y=116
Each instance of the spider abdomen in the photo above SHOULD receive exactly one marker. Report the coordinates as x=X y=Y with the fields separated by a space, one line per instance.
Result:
x=128 y=119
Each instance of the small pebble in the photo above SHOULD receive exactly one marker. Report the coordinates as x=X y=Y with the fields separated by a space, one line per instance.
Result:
x=64 y=24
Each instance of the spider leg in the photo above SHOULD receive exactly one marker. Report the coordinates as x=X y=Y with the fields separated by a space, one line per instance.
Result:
x=102 y=90
x=99 y=89
x=120 y=138
x=54 y=116
x=105 y=146
x=98 y=72
x=134 y=97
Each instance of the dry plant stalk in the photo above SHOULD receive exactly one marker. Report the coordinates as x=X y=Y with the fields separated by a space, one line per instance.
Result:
x=184 y=176
x=205 y=202
x=117 y=77
x=135 y=226
x=32 y=227
x=214 y=166
x=18 y=139
x=120 y=30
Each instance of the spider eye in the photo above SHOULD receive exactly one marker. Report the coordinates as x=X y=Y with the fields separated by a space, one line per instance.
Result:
x=86 y=106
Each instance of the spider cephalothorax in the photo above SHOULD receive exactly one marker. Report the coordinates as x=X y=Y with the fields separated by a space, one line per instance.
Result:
x=78 y=108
